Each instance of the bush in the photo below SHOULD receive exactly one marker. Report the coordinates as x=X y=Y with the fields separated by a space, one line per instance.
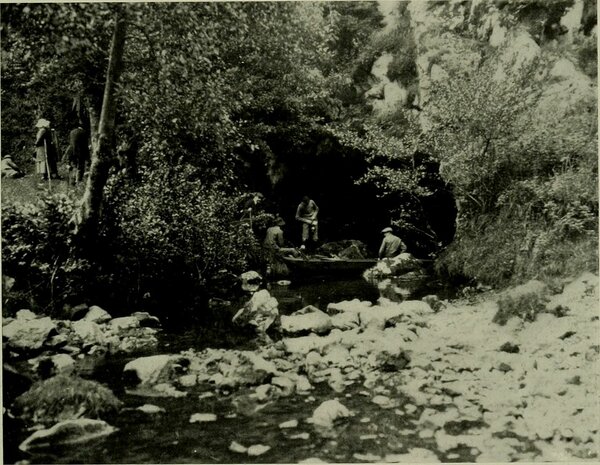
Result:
x=505 y=249
x=39 y=252
x=65 y=397
x=170 y=235
x=524 y=302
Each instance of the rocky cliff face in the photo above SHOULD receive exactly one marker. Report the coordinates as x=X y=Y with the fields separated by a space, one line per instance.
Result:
x=456 y=36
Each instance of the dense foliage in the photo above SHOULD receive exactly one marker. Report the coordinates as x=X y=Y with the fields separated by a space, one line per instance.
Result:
x=39 y=251
x=349 y=102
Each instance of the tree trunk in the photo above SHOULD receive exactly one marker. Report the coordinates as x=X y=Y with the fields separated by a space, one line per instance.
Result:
x=94 y=122
x=87 y=218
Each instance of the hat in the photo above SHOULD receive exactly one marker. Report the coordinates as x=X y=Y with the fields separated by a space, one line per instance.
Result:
x=8 y=155
x=385 y=230
x=42 y=123
x=279 y=221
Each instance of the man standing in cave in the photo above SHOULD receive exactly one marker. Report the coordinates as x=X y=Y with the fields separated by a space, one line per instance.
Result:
x=307 y=213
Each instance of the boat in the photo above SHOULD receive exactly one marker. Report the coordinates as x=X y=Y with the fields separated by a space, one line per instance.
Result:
x=318 y=265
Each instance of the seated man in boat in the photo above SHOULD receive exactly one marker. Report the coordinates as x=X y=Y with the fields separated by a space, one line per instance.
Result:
x=275 y=250
x=391 y=245
x=274 y=238
x=307 y=213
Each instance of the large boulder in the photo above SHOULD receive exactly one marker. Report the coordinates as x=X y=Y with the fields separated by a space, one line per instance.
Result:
x=67 y=432
x=260 y=311
x=54 y=365
x=354 y=306
x=27 y=334
x=328 y=413
x=97 y=315
x=395 y=266
x=124 y=323
x=65 y=397
x=25 y=315
x=309 y=319
x=88 y=331
x=146 y=320
x=152 y=370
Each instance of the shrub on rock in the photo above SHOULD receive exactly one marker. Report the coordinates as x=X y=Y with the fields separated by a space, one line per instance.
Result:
x=524 y=301
x=65 y=397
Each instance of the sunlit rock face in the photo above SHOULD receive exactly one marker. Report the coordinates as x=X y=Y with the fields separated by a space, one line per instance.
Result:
x=452 y=38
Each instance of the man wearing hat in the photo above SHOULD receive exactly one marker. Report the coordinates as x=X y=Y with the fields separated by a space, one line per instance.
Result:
x=45 y=150
x=274 y=235
x=77 y=154
x=391 y=245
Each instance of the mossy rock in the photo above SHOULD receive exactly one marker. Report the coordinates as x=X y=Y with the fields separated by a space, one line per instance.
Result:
x=65 y=397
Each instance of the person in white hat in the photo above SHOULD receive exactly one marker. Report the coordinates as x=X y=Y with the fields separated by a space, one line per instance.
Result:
x=46 y=156
x=391 y=245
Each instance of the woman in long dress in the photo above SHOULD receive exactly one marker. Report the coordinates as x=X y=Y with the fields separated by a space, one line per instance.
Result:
x=45 y=151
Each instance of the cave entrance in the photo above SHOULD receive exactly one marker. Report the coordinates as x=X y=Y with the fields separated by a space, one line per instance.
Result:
x=327 y=173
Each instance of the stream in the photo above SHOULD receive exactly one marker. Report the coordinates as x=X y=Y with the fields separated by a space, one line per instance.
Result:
x=169 y=437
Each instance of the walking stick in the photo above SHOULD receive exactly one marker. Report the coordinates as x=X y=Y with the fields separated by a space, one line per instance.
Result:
x=47 y=166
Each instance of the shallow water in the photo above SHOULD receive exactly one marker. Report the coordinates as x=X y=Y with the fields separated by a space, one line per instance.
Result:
x=169 y=437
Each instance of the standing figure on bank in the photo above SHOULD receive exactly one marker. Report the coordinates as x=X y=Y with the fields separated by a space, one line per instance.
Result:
x=307 y=213
x=77 y=154
x=252 y=207
x=46 y=156
x=391 y=245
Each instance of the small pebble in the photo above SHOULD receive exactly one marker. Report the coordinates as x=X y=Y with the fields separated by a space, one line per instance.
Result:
x=289 y=424
x=367 y=457
x=257 y=449
x=237 y=447
x=202 y=417
x=149 y=408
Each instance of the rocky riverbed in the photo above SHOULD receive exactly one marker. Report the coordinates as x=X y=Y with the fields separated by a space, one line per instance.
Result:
x=420 y=380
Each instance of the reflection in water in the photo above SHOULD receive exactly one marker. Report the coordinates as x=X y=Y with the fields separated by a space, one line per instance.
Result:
x=320 y=293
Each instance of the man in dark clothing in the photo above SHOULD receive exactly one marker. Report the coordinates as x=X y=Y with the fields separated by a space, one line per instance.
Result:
x=391 y=245
x=77 y=154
